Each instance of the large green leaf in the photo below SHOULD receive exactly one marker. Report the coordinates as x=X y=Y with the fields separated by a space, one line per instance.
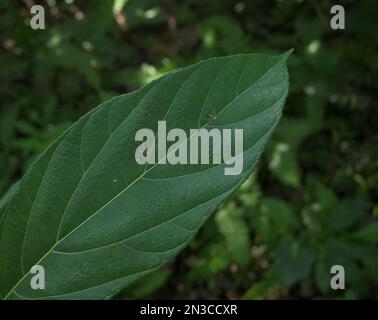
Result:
x=95 y=219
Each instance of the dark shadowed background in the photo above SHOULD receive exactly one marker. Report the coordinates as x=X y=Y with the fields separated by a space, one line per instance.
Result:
x=312 y=203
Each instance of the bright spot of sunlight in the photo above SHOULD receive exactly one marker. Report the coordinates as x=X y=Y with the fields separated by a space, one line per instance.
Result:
x=313 y=47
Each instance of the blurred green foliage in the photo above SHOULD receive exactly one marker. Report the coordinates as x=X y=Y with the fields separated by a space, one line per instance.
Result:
x=313 y=202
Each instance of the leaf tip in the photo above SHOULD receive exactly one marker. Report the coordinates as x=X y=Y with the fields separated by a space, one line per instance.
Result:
x=287 y=54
